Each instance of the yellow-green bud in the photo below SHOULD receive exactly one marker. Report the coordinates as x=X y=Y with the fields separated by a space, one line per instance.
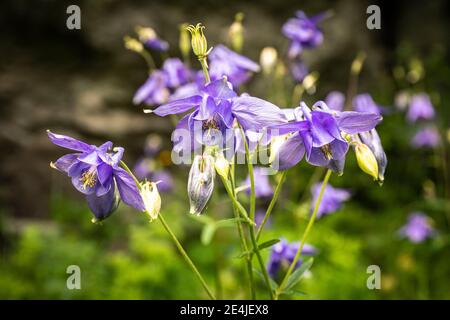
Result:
x=145 y=34
x=133 y=44
x=366 y=160
x=268 y=59
x=151 y=198
x=184 y=41
x=198 y=41
x=236 y=32
x=222 y=166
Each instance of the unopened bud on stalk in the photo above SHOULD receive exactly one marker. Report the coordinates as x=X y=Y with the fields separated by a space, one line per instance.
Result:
x=184 y=41
x=151 y=198
x=198 y=41
x=268 y=59
x=236 y=32
x=372 y=140
x=133 y=44
x=145 y=34
x=366 y=159
x=222 y=166
x=201 y=182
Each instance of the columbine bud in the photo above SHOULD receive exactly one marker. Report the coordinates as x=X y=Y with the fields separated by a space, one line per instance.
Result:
x=133 y=44
x=201 y=182
x=236 y=32
x=222 y=166
x=366 y=159
x=198 y=41
x=145 y=34
x=151 y=198
x=372 y=140
x=268 y=59
x=184 y=41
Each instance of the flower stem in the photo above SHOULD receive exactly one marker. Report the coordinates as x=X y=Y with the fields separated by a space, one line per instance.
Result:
x=205 y=69
x=272 y=204
x=305 y=235
x=174 y=238
x=186 y=257
x=252 y=217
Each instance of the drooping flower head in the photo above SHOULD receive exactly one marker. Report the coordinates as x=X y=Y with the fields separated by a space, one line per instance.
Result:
x=318 y=134
x=283 y=253
x=418 y=228
x=303 y=32
x=225 y=62
x=372 y=140
x=332 y=199
x=201 y=183
x=420 y=107
x=151 y=40
x=96 y=173
x=427 y=137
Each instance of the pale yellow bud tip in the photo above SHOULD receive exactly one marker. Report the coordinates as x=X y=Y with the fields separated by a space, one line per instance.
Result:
x=366 y=160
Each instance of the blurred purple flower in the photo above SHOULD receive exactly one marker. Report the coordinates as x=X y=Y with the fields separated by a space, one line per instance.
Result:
x=283 y=253
x=332 y=199
x=236 y=67
x=319 y=136
x=427 y=137
x=418 y=228
x=259 y=217
x=176 y=72
x=364 y=103
x=298 y=70
x=303 y=33
x=335 y=100
x=154 y=91
x=95 y=172
x=157 y=44
x=420 y=107
x=263 y=188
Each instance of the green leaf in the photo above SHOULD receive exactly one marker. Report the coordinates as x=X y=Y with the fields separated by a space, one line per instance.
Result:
x=268 y=244
x=295 y=277
x=208 y=233
x=228 y=222
x=294 y=293
x=273 y=284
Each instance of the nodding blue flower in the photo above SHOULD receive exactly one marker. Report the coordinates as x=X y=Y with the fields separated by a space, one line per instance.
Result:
x=263 y=188
x=225 y=62
x=427 y=137
x=303 y=32
x=216 y=108
x=373 y=141
x=364 y=103
x=95 y=172
x=159 y=85
x=283 y=253
x=335 y=100
x=151 y=40
x=298 y=70
x=420 y=107
x=318 y=134
x=418 y=228
x=332 y=199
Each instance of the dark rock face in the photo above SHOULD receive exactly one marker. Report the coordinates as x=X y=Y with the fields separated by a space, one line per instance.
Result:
x=81 y=82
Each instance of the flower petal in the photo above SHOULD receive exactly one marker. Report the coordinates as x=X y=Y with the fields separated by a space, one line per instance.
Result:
x=220 y=89
x=129 y=191
x=289 y=154
x=65 y=162
x=105 y=205
x=289 y=127
x=178 y=106
x=355 y=122
x=68 y=142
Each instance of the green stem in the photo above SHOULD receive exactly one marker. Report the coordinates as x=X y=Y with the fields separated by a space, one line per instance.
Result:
x=148 y=59
x=252 y=216
x=272 y=204
x=305 y=235
x=236 y=203
x=174 y=238
x=205 y=69
x=186 y=257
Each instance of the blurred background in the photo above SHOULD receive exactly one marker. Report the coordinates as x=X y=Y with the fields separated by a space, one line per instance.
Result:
x=81 y=83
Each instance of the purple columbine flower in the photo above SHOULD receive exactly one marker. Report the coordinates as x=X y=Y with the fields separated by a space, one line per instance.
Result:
x=427 y=137
x=263 y=188
x=236 y=67
x=303 y=32
x=364 y=103
x=216 y=108
x=156 y=90
x=317 y=134
x=335 y=100
x=420 y=107
x=95 y=172
x=282 y=255
x=418 y=228
x=332 y=199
